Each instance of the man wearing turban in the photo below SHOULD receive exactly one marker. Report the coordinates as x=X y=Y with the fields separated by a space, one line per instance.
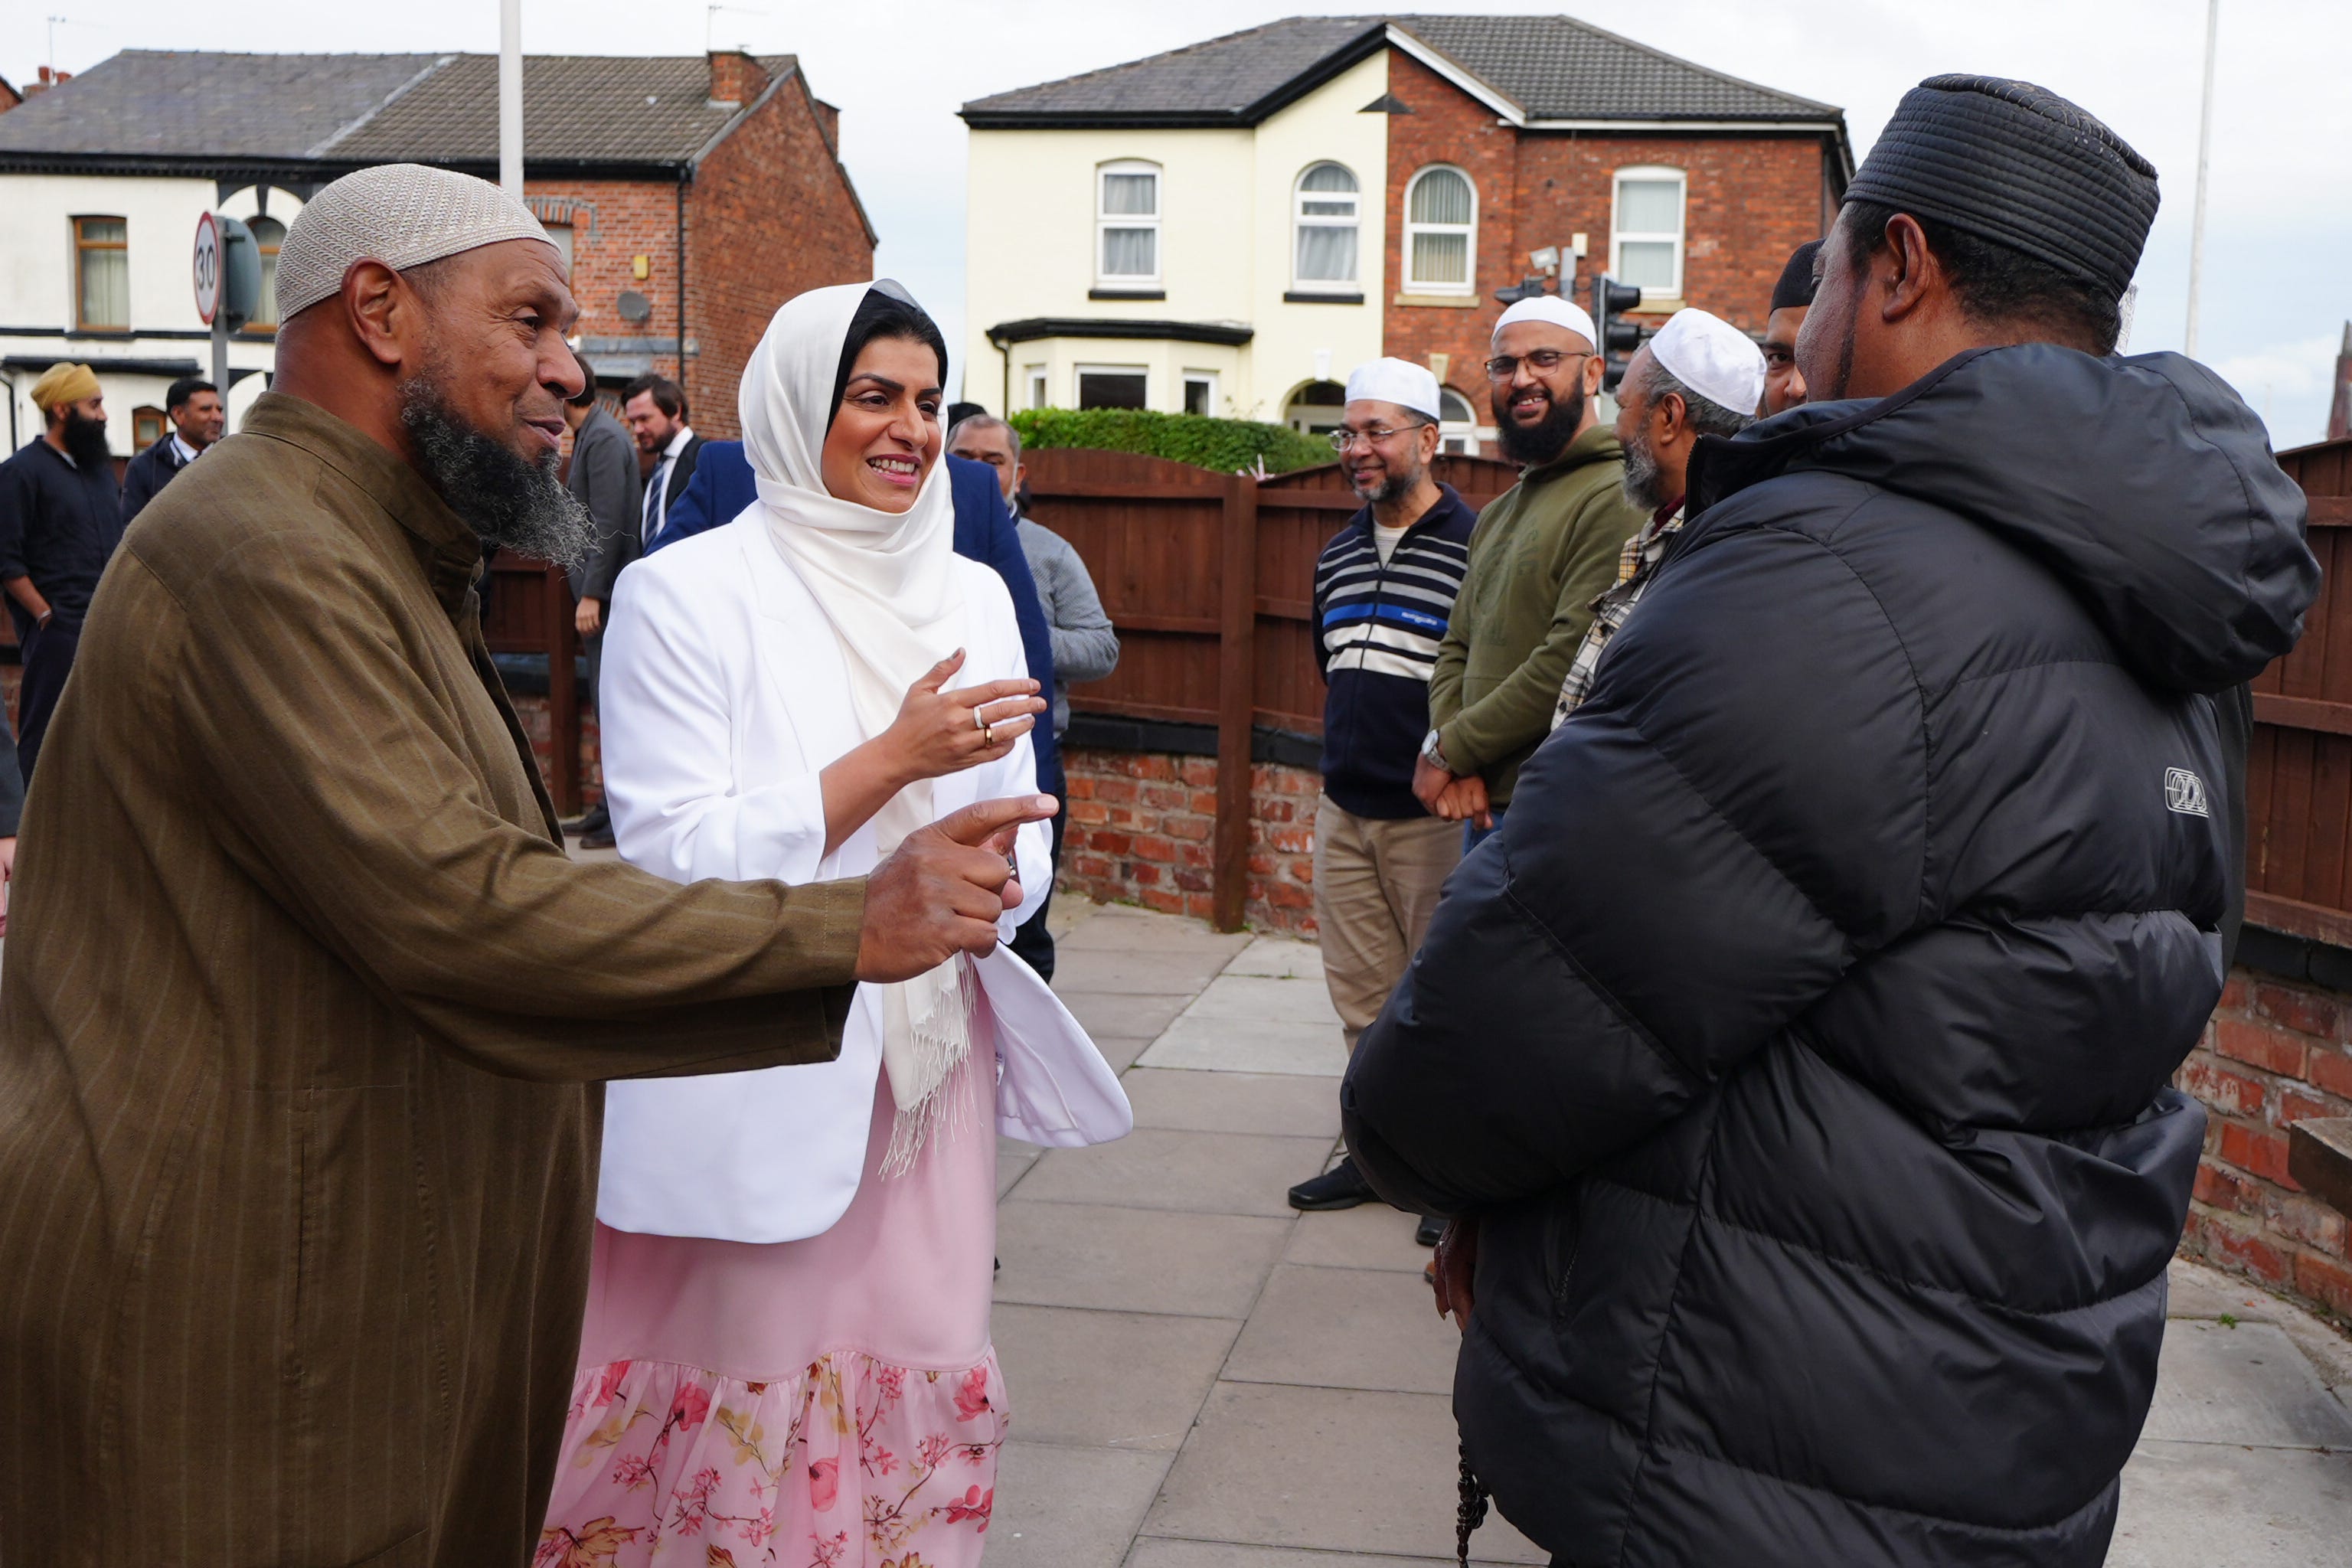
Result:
x=301 y=1035
x=60 y=515
x=1797 y=1058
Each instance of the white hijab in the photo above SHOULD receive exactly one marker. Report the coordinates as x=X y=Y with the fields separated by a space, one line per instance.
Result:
x=883 y=581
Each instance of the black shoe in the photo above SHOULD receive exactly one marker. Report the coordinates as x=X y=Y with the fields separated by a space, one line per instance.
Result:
x=1430 y=1231
x=599 y=839
x=595 y=819
x=1340 y=1187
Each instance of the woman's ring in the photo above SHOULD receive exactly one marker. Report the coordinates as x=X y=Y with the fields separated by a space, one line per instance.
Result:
x=988 y=730
x=977 y=722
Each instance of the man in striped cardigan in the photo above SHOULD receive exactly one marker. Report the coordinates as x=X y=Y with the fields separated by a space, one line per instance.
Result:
x=1383 y=589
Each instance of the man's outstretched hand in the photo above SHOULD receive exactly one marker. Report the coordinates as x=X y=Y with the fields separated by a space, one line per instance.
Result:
x=941 y=891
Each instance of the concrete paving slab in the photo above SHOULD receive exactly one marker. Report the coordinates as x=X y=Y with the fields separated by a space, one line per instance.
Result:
x=1372 y=1236
x=1235 y=1102
x=2245 y=1384
x=2199 y=1292
x=1327 y=1470
x=1150 y=971
x=1280 y=958
x=1256 y=997
x=1134 y=1261
x=1211 y=1042
x=1154 y=1551
x=1010 y=1169
x=2194 y=1505
x=1200 y=1172
x=1136 y=1015
x=1069 y=1508
x=1118 y=928
x=1108 y=1380
x=1346 y=1328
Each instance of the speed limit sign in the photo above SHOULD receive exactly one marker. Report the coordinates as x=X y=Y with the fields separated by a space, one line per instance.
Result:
x=208 y=267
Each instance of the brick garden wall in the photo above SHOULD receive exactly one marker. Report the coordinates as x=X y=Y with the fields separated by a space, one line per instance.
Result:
x=1140 y=824
x=2276 y=1053
x=1751 y=200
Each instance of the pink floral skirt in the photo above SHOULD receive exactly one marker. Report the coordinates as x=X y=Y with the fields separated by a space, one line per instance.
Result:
x=852 y=1463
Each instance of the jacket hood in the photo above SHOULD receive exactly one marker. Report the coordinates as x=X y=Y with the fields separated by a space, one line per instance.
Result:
x=2146 y=484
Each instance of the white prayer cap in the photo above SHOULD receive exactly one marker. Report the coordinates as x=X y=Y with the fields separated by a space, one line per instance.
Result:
x=403 y=214
x=1397 y=381
x=1713 y=358
x=1552 y=308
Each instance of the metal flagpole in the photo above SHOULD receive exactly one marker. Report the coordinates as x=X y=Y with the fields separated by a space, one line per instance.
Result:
x=510 y=97
x=2204 y=151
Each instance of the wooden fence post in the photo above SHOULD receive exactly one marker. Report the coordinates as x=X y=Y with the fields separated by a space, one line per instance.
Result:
x=562 y=694
x=1236 y=698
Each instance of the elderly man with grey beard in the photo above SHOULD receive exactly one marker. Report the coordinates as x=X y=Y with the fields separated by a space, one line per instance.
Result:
x=1697 y=377
x=301 y=1042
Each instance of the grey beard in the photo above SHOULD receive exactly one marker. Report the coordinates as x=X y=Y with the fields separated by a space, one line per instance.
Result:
x=508 y=503
x=1395 y=488
x=1642 y=477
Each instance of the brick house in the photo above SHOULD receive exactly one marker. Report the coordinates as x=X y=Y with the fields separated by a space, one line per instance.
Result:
x=693 y=195
x=1238 y=223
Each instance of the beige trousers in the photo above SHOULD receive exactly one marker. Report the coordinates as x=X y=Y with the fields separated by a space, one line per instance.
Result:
x=1376 y=885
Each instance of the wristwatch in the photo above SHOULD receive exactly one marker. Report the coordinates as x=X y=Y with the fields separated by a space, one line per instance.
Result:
x=1434 y=753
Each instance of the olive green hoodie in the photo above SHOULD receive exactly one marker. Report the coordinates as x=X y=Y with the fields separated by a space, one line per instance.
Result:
x=1542 y=553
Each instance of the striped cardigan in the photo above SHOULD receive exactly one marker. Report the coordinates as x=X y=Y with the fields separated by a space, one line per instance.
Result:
x=1376 y=631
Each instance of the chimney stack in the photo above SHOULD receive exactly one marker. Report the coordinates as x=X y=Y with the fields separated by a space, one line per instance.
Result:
x=736 y=79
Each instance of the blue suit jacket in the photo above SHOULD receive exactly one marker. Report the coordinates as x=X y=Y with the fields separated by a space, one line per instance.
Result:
x=985 y=531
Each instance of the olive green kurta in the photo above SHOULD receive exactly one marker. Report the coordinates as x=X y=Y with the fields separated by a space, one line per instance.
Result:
x=300 y=1018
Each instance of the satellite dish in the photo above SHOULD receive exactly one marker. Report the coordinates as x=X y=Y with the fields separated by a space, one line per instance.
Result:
x=635 y=309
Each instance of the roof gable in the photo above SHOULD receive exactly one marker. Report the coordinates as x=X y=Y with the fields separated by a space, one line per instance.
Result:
x=197 y=108
x=1530 y=67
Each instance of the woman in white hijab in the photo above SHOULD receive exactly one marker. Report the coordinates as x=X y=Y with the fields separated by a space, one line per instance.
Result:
x=786 y=1353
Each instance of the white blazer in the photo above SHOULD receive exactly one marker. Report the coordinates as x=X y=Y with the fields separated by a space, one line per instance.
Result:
x=723 y=693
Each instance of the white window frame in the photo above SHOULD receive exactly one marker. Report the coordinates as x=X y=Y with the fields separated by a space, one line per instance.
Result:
x=1039 y=397
x=1207 y=378
x=1300 y=219
x=1456 y=435
x=1414 y=285
x=1078 y=375
x=1617 y=235
x=1107 y=221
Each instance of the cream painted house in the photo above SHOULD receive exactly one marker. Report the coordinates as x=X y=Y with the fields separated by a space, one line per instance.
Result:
x=1218 y=269
x=1233 y=227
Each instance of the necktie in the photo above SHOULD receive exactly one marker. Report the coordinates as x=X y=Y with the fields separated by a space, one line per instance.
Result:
x=654 y=500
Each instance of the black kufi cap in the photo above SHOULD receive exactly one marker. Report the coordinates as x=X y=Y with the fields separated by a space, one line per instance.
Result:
x=2019 y=165
x=1795 y=289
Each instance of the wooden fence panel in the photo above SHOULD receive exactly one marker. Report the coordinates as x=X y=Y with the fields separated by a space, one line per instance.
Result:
x=530 y=611
x=2299 y=766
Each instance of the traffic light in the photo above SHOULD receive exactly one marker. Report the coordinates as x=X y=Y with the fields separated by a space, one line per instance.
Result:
x=1532 y=287
x=1610 y=300
x=240 y=273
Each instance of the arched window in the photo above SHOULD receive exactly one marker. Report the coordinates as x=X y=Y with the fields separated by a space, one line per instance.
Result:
x=268 y=234
x=1457 y=424
x=1645 y=239
x=1325 y=218
x=1316 y=408
x=1440 y=223
x=1127 y=222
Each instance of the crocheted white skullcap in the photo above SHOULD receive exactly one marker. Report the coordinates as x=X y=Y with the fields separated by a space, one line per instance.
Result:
x=403 y=214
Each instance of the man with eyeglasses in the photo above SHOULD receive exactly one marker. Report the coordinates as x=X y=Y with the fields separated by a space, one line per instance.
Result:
x=1542 y=552
x=1383 y=589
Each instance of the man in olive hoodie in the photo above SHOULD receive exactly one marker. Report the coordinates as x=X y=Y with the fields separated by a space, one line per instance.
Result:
x=1541 y=553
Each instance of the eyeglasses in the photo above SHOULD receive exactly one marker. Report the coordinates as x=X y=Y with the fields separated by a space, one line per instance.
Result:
x=1543 y=362
x=1342 y=438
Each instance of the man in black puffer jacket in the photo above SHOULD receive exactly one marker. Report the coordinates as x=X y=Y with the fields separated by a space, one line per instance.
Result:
x=1798 y=1053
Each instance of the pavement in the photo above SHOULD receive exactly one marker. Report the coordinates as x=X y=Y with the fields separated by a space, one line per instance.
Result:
x=1201 y=1378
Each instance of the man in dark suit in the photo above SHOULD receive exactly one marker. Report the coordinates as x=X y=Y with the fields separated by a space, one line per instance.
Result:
x=604 y=476
x=198 y=418
x=655 y=407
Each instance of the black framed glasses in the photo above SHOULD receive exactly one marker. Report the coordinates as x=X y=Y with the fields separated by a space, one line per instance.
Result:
x=1543 y=362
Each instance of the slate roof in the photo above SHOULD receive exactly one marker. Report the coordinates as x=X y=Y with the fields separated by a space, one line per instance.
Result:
x=1550 y=68
x=149 y=105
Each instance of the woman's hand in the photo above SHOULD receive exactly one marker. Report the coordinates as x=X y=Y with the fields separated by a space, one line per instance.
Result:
x=938 y=732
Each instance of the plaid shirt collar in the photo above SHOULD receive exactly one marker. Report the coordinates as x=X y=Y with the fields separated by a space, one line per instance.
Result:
x=1615 y=606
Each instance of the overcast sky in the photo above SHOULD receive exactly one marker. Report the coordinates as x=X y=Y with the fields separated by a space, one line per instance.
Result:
x=2278 y=253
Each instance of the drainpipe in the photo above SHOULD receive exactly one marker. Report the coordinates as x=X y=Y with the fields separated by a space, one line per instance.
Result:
x=685 y=173
x=1004 y=353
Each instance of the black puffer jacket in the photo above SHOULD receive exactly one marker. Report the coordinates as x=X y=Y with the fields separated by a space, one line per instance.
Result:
x=1804 y=1038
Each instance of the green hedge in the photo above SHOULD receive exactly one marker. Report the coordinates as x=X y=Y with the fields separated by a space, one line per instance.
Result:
x=1224 y=445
